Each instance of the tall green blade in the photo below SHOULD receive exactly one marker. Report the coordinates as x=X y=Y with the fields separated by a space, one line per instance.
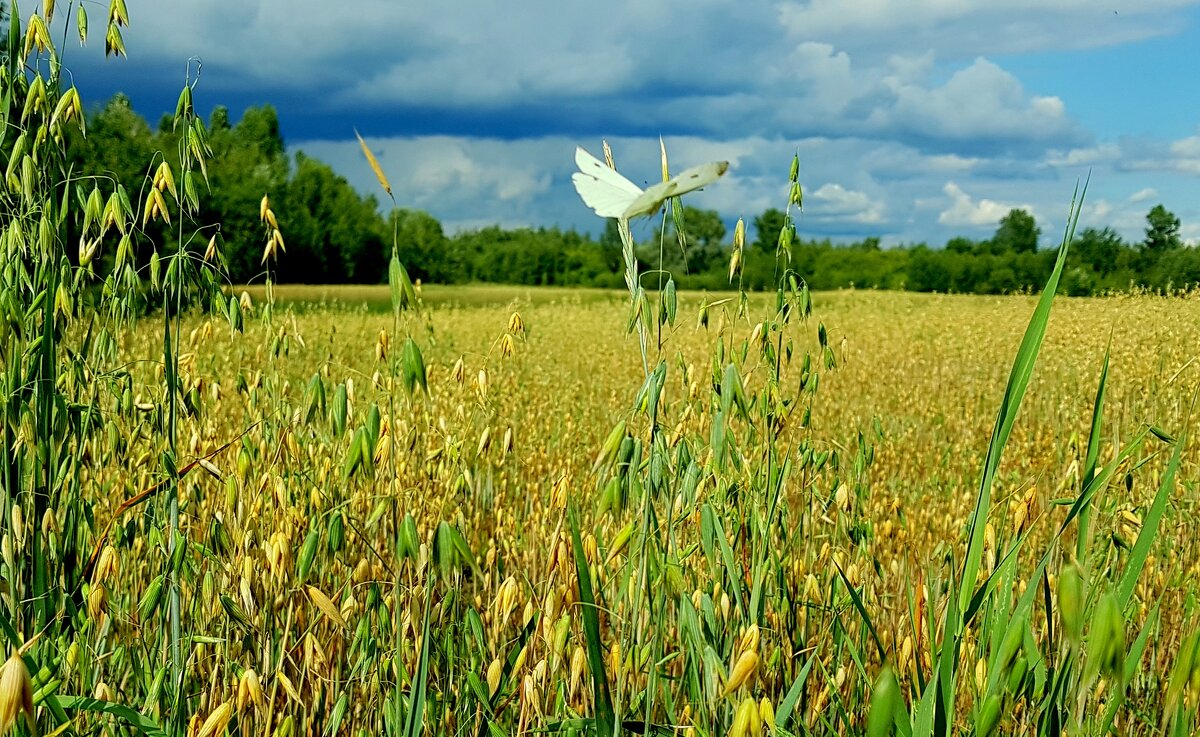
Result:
x=1093 y=453
x=1014 y=393
x=605 y=716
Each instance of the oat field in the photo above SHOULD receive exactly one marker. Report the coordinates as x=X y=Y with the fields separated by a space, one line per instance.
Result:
x=349 y=541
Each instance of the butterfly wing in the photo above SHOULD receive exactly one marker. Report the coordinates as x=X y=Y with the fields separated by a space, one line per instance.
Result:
x=603 y=189
x=699 y=176
x=648 y=202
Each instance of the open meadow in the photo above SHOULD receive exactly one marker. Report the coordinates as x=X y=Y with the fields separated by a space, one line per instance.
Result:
x=772 y=566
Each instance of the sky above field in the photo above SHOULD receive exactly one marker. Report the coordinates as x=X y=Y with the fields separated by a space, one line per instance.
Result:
x=915 y=120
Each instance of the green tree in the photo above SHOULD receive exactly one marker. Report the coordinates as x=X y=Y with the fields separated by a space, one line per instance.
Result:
x=248 y=162
x=334 y=234
x=961 y=244
x=928 y=270
x=422 y=247
x=1018 y=233
x=1098 y=249
x=1162 y=232
x=703 y=234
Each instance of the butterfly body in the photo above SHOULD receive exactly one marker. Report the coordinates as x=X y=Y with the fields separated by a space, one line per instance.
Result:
x=613 y=196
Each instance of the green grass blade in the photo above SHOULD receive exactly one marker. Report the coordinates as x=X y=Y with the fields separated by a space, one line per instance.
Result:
x=144 y=725
x=1014 y=393
x=1100 y=480
x=923 y=715
x=784 y=712
x=416 y=702
x=1149 y=531
x=1093 y=453
x=605 y=716
x=862 y=612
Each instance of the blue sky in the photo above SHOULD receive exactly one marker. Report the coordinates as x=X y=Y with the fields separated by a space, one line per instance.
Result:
x=915 y=120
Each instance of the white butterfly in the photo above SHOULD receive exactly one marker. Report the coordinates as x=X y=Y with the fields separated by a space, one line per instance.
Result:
x=613 y=196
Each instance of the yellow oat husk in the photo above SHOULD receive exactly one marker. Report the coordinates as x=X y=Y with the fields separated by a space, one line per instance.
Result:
x=216 y=722
x=743 y=671
x=326 y=605
x=16 y=693
x=375 y=167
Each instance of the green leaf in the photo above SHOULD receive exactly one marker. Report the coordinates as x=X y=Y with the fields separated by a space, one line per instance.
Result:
x=1014 y=393
x=416 y=701
x=605 y=718
x=142 y=724
x=1149 y=531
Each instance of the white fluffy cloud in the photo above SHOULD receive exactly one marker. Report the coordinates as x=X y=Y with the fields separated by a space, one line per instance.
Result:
x=903 y=112
x=834 y=202
x=971 y=27
x=719 y=70
x=979 y=101
x=965 y=210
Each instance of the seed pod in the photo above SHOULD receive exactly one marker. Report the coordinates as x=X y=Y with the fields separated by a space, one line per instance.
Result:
x=988 y=717
x=409 y=539
x=766 y=711
x=412 y=366
x=578 y=666
x=1016 y=676
x=307 y=552
x=750 y=639
x=746 y=721
x=250 y=690
x=338 y=713
x=107 y=566
x=235 y=611
x=337 y=532
x=1106 y=637
x=743 y=671
x=1013 y=639
x=16 y=693
x=323 y=602
x=151 y=598
x=670 y=301
x=341 y=410
x=208 y=586
x=97 y=601
x=619 y=542
x=217 y=720
x=516 y=324
x=1070 y=602
x=885 y=699
x=494 y=671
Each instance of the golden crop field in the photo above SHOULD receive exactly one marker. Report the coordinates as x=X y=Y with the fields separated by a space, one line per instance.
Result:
x=351 y=523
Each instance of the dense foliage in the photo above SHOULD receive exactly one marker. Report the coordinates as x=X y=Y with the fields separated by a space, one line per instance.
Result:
x=334 y=231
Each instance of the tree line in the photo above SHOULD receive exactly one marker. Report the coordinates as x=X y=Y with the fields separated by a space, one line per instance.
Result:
x=334 y=234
